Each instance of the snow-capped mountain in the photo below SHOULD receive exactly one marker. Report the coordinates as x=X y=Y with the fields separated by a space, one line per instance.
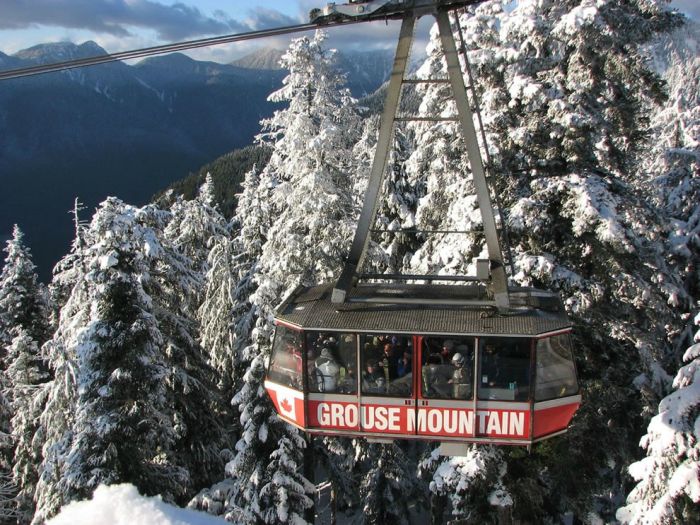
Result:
x=365 y=70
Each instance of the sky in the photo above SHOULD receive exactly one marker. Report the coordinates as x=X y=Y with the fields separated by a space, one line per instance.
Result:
x=120 y=25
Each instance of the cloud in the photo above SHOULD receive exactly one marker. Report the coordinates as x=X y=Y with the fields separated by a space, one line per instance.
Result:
x=263 y=18
x=689 y=7
x=173 y=22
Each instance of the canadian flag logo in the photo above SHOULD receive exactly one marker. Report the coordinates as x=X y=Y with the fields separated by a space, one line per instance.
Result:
x=287 y=408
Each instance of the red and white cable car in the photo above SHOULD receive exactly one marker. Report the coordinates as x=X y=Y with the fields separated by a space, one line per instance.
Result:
x=409 y=372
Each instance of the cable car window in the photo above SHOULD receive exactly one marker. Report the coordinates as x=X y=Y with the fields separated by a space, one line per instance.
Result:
x=504 y=368
x=448 y=368
x=387 y=365
x=331 y=362
x=556 y=372
x=285 y=362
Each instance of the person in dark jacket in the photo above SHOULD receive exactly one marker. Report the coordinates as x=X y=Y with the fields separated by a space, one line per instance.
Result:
x=373 y=380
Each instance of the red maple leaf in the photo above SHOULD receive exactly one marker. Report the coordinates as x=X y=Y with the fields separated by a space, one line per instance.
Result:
x=286 y=405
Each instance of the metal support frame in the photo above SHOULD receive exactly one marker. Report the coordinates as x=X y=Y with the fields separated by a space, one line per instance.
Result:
x=496 y=279
x=499 y=281
x=381 y=154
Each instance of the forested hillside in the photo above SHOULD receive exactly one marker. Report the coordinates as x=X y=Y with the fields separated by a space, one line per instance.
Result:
x=127 y=130
x=143 y=360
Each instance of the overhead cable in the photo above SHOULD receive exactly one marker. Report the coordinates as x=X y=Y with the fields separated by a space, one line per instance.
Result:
x=159 y=50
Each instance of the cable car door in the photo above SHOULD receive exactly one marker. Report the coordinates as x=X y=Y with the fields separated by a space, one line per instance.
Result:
x=387 y=385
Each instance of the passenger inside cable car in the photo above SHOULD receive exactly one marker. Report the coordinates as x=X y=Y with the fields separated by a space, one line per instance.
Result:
x=381 y=356
x=331 y=362
x=447 y=368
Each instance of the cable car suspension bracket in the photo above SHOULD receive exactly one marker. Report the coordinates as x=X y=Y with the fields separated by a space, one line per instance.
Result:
x=491 y=272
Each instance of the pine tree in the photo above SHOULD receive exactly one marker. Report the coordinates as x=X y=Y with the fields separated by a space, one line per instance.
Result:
x=673 y=159
x=566 y=100
x=312 y=142
x=215 y=314
x=389 y=486
x=196 y=224
x=391 y=250
x=193 y=404
x=339 y=458
x=61 y=394
x=120 y=431
x=668 y=488
x=299 y=220
x=26 y=376
x=285 y=496
x=22 y=298
x=472 y=484
x=68 y=270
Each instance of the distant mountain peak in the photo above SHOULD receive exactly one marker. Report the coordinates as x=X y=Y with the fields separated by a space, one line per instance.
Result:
x=264 y=58
x=60 y=51
x=177 y=60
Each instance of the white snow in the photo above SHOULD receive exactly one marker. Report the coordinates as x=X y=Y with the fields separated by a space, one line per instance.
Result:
x=109 y=260
x=123 y=505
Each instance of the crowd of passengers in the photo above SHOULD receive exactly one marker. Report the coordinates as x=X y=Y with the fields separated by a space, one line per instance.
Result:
x=388 y=368
x=446 y=370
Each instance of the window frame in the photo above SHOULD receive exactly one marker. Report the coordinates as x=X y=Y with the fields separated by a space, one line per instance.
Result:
x=272 y=374
x=361 y=340
x=527 y=393
x=307 y=386
x=572 y=359
x=470 y=340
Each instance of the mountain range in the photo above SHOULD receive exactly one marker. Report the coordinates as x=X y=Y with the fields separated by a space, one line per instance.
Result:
x=127 y=130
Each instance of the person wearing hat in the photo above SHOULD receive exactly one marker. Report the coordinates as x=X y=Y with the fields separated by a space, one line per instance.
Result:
x=328 y=371
x=461 y=377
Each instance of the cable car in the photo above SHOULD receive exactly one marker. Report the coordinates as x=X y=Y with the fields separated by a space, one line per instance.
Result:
x=415 y=358
x=404 y=371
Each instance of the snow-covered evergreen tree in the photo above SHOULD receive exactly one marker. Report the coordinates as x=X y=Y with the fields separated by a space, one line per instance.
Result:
x=25 y=377
x=566 y=97
x=296 y=219
x=193 y=404
x=389 y=486
x=396 y=216
x=668 y=489
x=468 y=482
x=68 y=270
x=193 y=228
x=672 y=164
x=22 y=298
x=196 y=223
x=55 y=431
x=120 y=431
x=285 y=496
x=312 y=160
x=339 y=458
x=215 y=314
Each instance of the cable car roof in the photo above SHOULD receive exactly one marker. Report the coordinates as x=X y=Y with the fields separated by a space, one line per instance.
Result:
x=533 y=312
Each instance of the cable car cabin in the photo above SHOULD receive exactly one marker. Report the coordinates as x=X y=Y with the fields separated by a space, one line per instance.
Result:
x=450 y=373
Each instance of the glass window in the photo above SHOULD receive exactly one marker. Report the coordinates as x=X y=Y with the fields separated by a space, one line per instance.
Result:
x=556 y=372
x=504 y=368
x=387 y=365
x=331 y=362
x=285 y=363
x=448 y=368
